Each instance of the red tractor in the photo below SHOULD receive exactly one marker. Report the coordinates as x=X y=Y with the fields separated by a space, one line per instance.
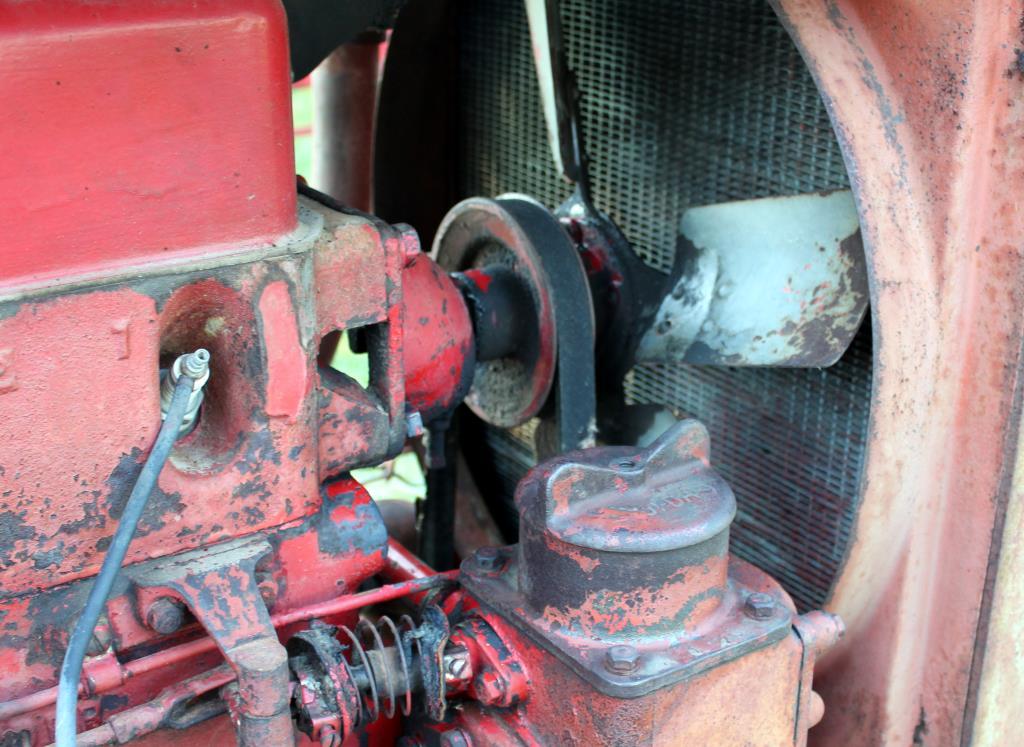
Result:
x=700 y=321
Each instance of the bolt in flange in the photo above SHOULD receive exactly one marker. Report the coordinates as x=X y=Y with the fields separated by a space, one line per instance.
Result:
x=622 y=659
x=165 y=615
x=489 y=559
x=759 y=606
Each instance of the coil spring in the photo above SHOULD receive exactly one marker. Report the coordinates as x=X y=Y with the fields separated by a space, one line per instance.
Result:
x=370 y=652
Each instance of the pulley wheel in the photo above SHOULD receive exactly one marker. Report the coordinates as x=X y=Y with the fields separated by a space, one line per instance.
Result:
x=511 y=236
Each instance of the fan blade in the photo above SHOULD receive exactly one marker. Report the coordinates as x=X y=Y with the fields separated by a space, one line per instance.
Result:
x=558 y=93
x=778 y=281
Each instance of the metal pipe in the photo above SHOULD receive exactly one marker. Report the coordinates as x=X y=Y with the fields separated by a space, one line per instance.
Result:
x=176 y=654
x=147 y=717
x=437 y=528
x=345 y=107
x=402 y=565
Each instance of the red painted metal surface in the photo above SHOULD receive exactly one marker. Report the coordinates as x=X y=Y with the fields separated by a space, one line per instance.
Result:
x=275 y=423
x=141 y=132
x=926 y=100
x=138 y=230
x=256 y=438
x=620 y=598
x=439 y=354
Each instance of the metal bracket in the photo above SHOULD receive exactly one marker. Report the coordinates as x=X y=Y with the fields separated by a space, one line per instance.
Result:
x=218 y=584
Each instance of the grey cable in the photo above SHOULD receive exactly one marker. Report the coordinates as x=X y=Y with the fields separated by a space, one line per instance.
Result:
x=71 y=669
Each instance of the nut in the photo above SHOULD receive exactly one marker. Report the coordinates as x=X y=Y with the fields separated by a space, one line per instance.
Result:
x=165 y=615
x=759 y=606
x=489 y=559
x=456 y=662
x=413 y=424
x=622 y=659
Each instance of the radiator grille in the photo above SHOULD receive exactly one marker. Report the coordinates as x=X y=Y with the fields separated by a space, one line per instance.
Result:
x=689 y=103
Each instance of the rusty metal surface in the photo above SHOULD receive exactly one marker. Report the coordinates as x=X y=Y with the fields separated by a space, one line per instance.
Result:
x=218 y=584
x=344 y=107
x=475 y=235
x=516 y=245
x=167 y=708
x=777 y=281
x=926 y=100
x=255 y=436
x=758 y=699
x=622 y=573
x=273 y=425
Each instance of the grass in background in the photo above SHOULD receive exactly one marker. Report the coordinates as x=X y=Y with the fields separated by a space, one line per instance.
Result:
x=302 y=120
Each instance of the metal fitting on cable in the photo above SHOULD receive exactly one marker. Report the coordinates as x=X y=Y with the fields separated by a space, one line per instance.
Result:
x=197 y=367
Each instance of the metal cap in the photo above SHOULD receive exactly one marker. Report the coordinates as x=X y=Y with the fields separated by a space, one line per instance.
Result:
x=665 y=497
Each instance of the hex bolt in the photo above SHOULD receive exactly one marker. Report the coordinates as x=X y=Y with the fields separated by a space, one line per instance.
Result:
x=165 y=615
x=622 y=659
x=456 y=661
x=456 y=667
x=456 y=738
x=490 y=688
x=488 y=559
x=759 y=606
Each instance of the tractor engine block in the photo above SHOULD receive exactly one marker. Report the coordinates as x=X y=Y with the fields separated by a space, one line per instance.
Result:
x=162 y=239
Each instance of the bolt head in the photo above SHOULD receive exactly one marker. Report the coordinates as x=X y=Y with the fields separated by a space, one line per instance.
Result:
x=759 y=606
x=622 y=659
x=489 y=559
x=489 y=688
x=413 y=424
x=458 y=662
x=165 y=615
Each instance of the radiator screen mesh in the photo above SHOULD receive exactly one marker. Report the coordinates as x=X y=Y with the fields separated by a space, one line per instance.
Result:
x=688 y=103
